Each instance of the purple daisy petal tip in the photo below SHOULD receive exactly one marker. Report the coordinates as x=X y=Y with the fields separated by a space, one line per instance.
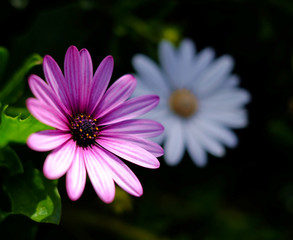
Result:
x=72 y=48
x=138 y=193
x=156 y=99
x=46 y=61
x=157 y=165
x=108 y=200
x=84 y=50
x=131 y=77
x=110 y=57
x=108 y=60
x=73 y=196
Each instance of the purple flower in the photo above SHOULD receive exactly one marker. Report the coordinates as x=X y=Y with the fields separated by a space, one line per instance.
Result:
x=94 y=126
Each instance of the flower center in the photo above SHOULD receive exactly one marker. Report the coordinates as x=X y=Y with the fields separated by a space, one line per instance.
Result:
x=183 y=102
x=84 y=129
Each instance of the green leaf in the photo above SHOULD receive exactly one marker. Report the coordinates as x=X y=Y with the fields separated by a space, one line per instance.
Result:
x=34 y=196
x=3 y=60
x=10 y=160
x=15 y=129
x=14 y=87
x=3 y=215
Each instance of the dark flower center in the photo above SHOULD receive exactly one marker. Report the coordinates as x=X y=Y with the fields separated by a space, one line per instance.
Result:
x=84 y=130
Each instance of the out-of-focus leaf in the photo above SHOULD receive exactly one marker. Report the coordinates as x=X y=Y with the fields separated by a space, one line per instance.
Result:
x=3 y=61
x=122 y=203
x=281 y=132
x=14 y=87
x=3 y=215
x=19 y=4
x=34 y=196
x=10 y=160
x=14 y=129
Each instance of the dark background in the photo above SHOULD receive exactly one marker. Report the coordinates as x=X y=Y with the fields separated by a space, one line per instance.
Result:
x=248 y=194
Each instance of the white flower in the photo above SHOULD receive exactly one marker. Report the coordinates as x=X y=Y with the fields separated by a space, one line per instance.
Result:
x=200 y=100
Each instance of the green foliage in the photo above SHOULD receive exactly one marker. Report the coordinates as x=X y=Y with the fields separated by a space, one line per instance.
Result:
x=3 y=60
x=34 y=196
x=15 y=86
x=15 y=129
x=30 y=194
x=10 y=161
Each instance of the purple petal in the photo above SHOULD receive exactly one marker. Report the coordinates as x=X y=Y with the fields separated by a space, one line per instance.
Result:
x=146 y=144
x=86 y=79
x=55 y=78
x=116 y=95
x=58 y=162
x=130 y=109
x=100 y=83
x=120 y=172
x=99 y=175
x=129 y=151
x=43 y=93
x=145 y=128
x=73 y=76
x=47 y=140
x=46 y=114
x=76 y=176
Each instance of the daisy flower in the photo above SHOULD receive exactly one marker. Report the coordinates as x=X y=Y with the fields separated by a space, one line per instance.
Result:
x=95 y=127
x=200 y=100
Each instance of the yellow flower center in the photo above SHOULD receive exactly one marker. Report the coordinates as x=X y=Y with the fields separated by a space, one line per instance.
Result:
x=183 y=103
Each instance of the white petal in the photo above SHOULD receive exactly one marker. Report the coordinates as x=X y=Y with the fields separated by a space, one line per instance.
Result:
x=207 y=142
x=186 y=60
x=216 y=131
x=214 y=76
x=149 y=72
x=195 y=150
x=174 y=141
x=202 y=61
x=235 y=118
x=186 y=51
x=232 y=81
x=226 y=99
x=169 y=62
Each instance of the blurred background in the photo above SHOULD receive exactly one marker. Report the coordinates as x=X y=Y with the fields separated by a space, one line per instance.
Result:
x=248 y=194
